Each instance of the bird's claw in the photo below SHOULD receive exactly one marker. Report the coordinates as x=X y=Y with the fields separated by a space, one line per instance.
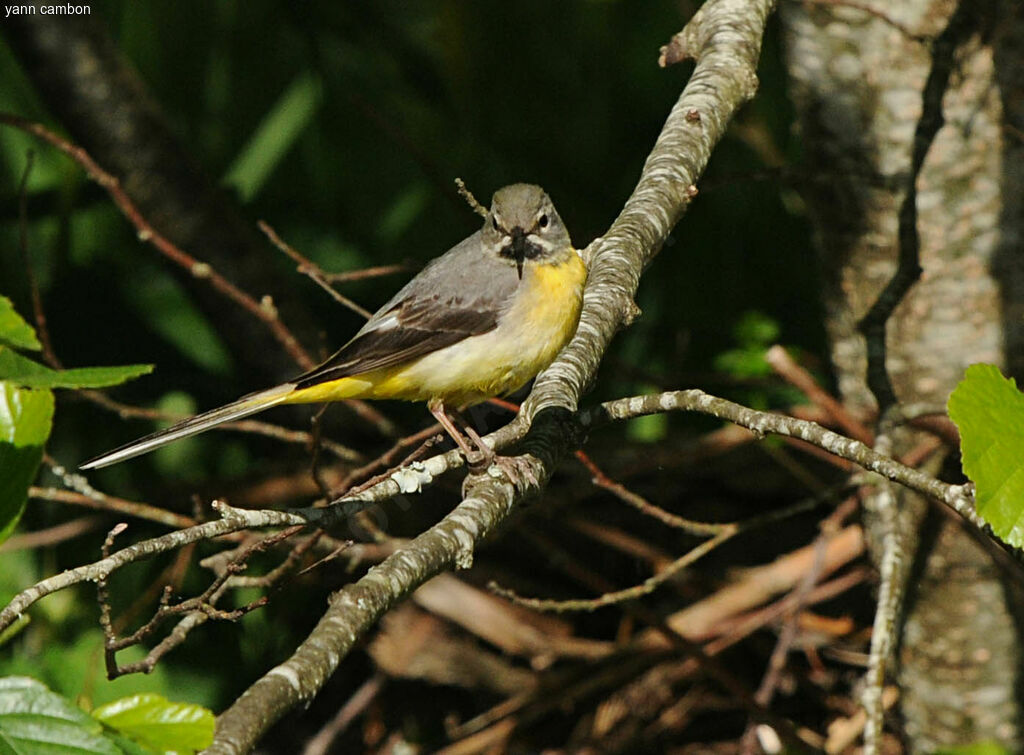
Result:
x=517 y=469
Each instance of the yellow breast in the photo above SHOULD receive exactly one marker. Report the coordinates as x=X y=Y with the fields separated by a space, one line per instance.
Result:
x=541 y=320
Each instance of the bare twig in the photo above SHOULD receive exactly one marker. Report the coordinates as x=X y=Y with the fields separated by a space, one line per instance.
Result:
x=356 y=704
x=786 y=368
x=466 y=194
x=204 y=604
x=388 y=457
x=724 y=532
x=777 y=660
x=264 y=311
x=84 y=494
x=881 y=15
x=231 y=520
x=367 y=272
x=311 y=270
x=52 y=535
x=958 y=497
x=39 y=315
x=644 y=506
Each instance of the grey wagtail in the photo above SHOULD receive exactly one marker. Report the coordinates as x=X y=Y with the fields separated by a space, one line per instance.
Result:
x=479 y=321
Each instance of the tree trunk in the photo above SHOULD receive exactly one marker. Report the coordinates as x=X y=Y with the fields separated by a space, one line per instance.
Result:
x=858 y=79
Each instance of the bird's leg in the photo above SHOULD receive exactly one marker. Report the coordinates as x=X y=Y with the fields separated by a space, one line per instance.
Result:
x=472 y=455
x=517 y=470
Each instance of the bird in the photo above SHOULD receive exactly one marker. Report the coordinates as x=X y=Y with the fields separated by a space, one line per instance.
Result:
x=479 y=321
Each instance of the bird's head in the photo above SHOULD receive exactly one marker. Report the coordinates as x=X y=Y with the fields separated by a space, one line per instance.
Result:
x=523 y=227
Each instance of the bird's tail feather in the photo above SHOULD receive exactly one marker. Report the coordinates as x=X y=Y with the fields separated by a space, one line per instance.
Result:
x=245 y=406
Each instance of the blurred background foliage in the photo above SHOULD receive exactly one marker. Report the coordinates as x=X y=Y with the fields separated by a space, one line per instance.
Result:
x=343 y=125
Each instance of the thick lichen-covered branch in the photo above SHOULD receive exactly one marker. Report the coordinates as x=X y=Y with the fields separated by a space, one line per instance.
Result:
x=724 y=37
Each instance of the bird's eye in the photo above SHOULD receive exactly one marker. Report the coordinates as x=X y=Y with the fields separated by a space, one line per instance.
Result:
x=542 y=221
x=494 y=222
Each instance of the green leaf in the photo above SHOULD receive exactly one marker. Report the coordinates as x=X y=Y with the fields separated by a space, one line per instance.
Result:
x=157 y=723
x=36 y=721
x=404 y=211
x=14 y=331
x=754 y=332
x=26 y=417
x=989 y=411
x=756 y=329
x=14 y=629
x=166 y=307
x=23 y=371
x=651 y=428
x=747 y=362
x=277 y=132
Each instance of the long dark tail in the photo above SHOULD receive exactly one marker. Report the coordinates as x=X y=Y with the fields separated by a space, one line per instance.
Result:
x=251 y=404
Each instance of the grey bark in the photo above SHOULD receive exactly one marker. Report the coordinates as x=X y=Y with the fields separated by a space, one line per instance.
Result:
x=857 y=85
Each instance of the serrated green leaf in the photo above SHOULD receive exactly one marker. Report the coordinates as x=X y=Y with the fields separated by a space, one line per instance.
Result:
x=26 y=417
x=989 y=412
x=36 y=721
x=155 y=722
x=23 y=371
x=14 y=331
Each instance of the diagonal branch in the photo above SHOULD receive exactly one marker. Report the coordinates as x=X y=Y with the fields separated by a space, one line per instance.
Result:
x=725 y=39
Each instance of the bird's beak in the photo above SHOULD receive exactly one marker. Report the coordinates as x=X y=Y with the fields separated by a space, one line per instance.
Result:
x=519 y=249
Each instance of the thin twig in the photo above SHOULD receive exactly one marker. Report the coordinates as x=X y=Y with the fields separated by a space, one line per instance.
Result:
x=786 y=367
x=204 y=604
x=725 y=532
x=84 y=494
x=876 y=13
x=466 y=194
x=39 y=315
x=367 y=272
x=59 y=533
x=387 y=458
x=644 y=506
x=311 y=270
x=777 y=660
x=264 y=311
x=356 y=704
x=958 y=497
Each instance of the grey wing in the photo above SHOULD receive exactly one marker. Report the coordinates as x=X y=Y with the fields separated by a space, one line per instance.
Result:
x=463 y=293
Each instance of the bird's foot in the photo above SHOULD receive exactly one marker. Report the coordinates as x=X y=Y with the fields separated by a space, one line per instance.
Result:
x=517 y=469
x=480 y=457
